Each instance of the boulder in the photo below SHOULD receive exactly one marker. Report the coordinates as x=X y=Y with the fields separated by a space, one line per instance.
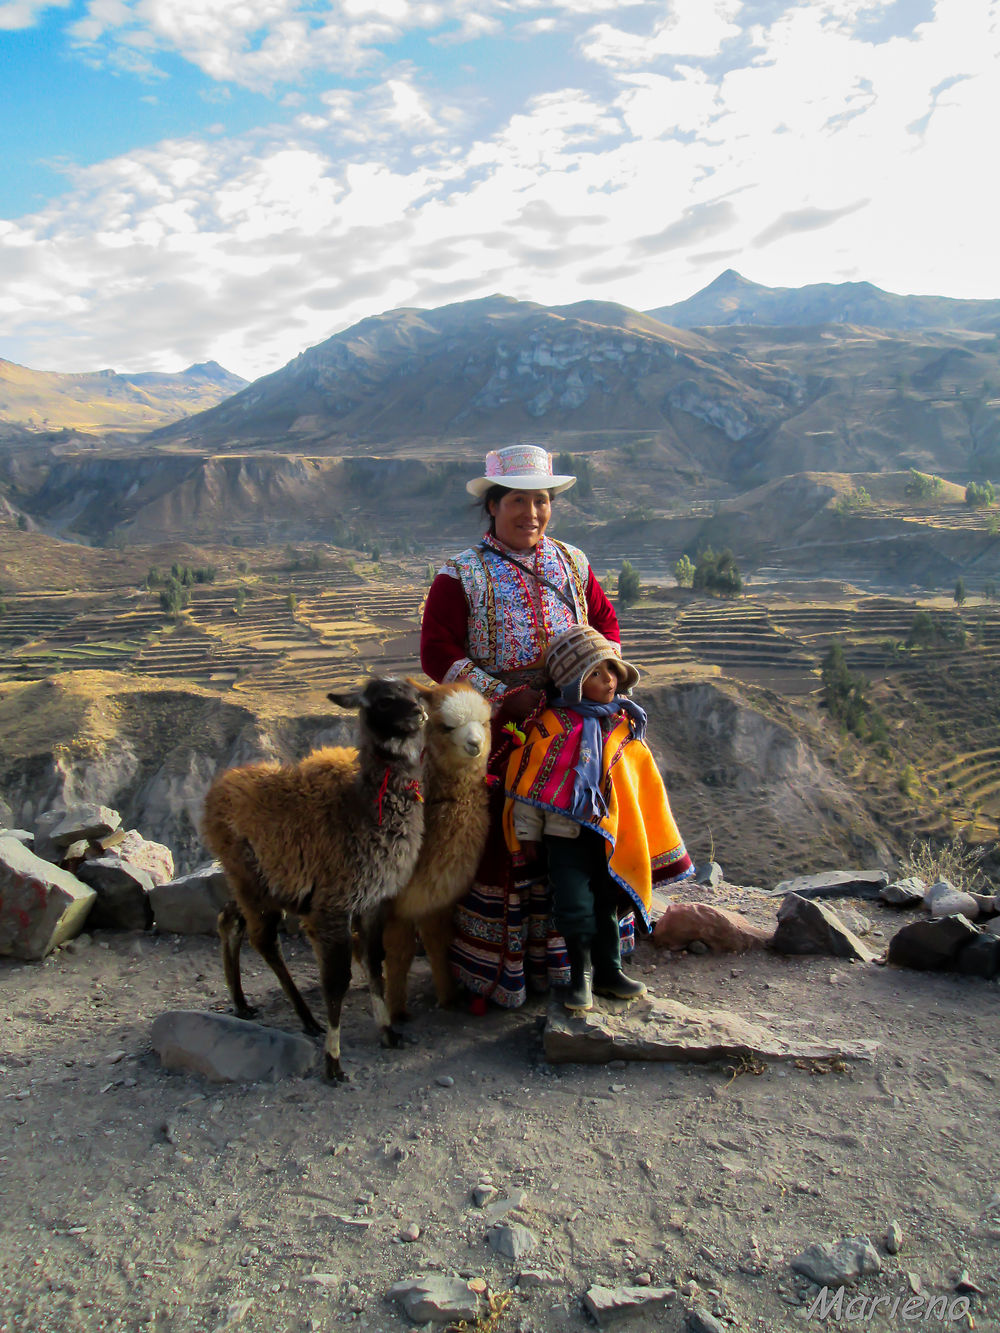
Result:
x=835 y=884
x=23 y=835
x=806 y=927
x=943 y=899
x=721 y=931
x=907 y=892
x=655 y=1029
x=840 y=1263
x=190 y=904
x=153 y=857
x=41 y=905
x=931 y=945
x=980 y=957
x=122 y=894
x=229 y=1050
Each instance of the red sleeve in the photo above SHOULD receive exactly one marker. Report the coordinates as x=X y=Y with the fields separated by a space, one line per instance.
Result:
x=600 y=612
x=444 y=629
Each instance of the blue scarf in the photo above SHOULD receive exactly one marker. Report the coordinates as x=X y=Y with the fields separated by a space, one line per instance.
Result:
x=589 y=804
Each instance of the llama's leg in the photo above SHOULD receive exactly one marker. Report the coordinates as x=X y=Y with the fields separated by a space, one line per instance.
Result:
x=331 y=941
x=437 y=931
x=370 y=929
x=232 y=930
x=263 y=932
x=399 y=939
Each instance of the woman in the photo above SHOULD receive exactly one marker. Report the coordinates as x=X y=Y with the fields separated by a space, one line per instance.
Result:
x=489 y=617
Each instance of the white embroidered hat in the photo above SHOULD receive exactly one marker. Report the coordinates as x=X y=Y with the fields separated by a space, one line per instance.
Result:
x=519 y=467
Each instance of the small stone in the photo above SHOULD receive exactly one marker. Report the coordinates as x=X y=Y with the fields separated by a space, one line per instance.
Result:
x=893 y=1238
x=529 y=1278
x=410 y=1233
x=445 y=1081
x=606 y=1304
x=617 y=1087
x=915 y=1283
x=698 y=947
x=699 y=1320
x=511 y=1242
x=643 y=1279
x=966 y=1284
x=436 y=1298
x=483 y=1193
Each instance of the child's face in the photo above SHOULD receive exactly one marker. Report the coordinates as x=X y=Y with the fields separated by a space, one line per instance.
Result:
x=601 y=686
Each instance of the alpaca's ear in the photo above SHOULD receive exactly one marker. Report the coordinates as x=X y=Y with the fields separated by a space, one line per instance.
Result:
x=425 y=691
x=351 y=700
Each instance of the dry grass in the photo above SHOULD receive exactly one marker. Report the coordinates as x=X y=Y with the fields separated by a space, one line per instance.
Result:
x=954 y=861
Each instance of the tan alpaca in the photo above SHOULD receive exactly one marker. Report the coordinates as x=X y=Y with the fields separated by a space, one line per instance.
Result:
x=456 y=819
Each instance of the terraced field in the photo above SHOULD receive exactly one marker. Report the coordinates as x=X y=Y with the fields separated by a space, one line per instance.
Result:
x=295 y=632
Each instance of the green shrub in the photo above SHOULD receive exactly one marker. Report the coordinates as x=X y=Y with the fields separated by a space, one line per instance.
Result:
x=923 y=486
x=629 y=584
x=954 y=861
x=684 y=572
x=717 y=572
x=979 y=497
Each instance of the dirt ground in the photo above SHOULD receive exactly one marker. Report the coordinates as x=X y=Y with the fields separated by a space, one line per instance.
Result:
x=136 y=1198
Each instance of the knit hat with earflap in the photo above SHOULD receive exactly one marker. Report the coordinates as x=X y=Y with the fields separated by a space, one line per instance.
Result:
x=575 y=654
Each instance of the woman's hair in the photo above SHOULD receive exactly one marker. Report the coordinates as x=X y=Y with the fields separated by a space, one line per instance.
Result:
x=496 y=493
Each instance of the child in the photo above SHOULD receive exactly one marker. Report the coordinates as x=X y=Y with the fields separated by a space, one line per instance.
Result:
x=586 y=786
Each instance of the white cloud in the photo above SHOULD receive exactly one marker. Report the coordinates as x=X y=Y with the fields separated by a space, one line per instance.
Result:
x=19 y=14
x=822 y=156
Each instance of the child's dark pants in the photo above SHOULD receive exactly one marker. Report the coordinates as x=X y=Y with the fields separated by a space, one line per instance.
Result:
x=584 y=896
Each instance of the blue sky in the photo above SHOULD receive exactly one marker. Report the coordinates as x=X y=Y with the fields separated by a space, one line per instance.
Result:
x=194 y=179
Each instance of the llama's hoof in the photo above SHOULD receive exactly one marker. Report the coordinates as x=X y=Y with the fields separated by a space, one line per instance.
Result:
x=313 y=1029
x=333 y=1071
x=392 y=1039
x=246 y=1011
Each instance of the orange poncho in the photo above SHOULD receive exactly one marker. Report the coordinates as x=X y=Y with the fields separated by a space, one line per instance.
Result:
x=643 y=842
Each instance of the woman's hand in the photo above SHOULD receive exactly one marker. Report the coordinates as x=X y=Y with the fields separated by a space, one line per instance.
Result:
x=519 y=704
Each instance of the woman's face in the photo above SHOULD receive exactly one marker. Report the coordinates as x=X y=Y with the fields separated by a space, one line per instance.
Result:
x=520 y=518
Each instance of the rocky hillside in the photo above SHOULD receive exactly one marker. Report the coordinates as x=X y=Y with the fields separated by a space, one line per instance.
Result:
x=733 y=299
x=104 y=401
x=744 y=777
x=496 y=368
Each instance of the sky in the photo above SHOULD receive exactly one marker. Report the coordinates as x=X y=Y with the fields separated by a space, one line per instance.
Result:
x=237 y=180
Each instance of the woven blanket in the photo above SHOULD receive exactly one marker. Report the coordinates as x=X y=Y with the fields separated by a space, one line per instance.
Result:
x=643 y=841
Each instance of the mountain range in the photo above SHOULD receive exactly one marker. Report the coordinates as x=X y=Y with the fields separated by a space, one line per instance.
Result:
x=103 y=401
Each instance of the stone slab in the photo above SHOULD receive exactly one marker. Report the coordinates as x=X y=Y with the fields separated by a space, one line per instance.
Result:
x=655 y=1029
x=229 y=1050
x=835 y=884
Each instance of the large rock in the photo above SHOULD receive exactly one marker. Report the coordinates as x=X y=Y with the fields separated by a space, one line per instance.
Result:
x=229 y=1050
x=806 y=927
x=83 y=821
x=152 y=857
x=190 y=905
x=907 y=892
x=511 y=1241
x=835 y=884
x=655 y=1029
x=122 y=894
x=721 y=931
x=436 y=1298
x=943 y=899
x=840 y=1263
x=980 y=957
x=41 y=906
x=609 y=1305
x=931 y=946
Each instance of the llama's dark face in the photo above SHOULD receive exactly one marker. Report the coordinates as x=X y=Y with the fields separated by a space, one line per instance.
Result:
x=391 y=710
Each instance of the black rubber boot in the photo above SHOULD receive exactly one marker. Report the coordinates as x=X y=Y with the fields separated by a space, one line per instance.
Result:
x=579 y=997
x=608 y=978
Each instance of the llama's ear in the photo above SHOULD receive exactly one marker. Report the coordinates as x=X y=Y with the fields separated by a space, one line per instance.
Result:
x=352 y=700
x=425 y=691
